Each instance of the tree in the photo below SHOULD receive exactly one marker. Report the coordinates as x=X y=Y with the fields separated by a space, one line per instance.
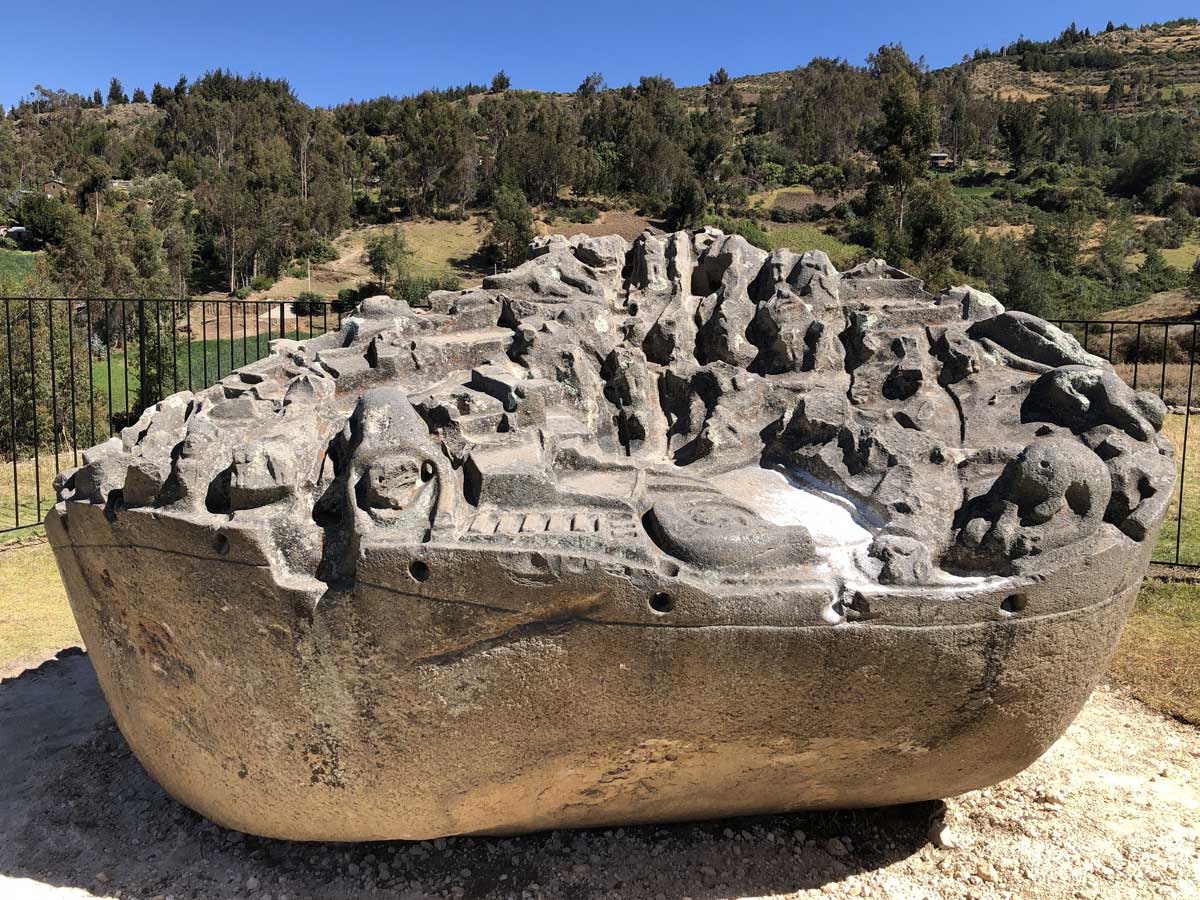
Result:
x=387 y=257
x=116 y=93
x=500 y=82
x=97 y=98
x=512 y=226
x=590 y=86
x=160 y=95
x=689 y=204
x=904 y=138
x=1021 y=134
x=139 y=96
x=936 y=230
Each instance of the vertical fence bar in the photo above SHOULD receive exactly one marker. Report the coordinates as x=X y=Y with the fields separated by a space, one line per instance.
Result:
x=1137 y=353
x=108 y=364
x=1162 y=381
x=174 y=349
x=1187 y=418
x=71 y=351
x=244 y=359
x=12 y=413
x=91 y=377
x=37 y=448
x=125 y=344
x=188 y=338
x=204 y=341
x=53 y=382
x=1112 y=333
x=157 y=306
x=217 y=342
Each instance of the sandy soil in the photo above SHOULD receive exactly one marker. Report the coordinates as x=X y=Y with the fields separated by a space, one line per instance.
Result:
x=1113 y=810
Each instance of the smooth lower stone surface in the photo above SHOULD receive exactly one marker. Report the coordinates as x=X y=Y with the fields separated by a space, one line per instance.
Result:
x=670 y=530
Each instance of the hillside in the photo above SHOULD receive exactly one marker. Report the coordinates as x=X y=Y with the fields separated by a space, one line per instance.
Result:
x=1161 y=64
x=1069 y=182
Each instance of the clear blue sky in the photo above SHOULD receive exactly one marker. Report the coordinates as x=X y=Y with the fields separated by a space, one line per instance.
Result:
x=332 y=51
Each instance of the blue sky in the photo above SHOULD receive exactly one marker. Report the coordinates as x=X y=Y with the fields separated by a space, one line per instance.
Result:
x=333 y=51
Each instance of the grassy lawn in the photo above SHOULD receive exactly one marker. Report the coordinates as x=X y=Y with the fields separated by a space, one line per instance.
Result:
x=1189 y=535
x=977 y=190
x=34 y=614
x=15 y=266
x=20 y=507
x=810 y=237
x=1182 y=257
x=1159 y=654
x=438 y=247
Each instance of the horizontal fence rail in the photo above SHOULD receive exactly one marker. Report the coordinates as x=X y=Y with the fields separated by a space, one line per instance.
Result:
x=74 y=372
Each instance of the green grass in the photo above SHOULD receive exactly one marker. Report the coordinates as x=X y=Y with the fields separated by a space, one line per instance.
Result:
x=1183 y=257
x=15 y=267
x=810 y=237
x=978 y=190
x=207 y=363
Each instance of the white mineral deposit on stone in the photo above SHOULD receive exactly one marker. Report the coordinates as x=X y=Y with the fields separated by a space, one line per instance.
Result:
x=799 y=500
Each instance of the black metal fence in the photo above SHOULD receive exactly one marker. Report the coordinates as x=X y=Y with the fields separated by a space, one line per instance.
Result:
x=75 y=372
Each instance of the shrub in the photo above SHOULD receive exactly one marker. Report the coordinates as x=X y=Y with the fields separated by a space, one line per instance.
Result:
x=415 y=291
x=243 y=292
x=308 y=303
x=262 y=283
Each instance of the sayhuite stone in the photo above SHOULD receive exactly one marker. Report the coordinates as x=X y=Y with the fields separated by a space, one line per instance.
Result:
x=659 y=531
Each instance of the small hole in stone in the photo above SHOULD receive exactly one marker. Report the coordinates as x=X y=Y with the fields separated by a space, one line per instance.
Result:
x=672 y=570
x=662 y=603
x=418 y=570
x=427 y=471
x=1014 y=603
x=221 y=544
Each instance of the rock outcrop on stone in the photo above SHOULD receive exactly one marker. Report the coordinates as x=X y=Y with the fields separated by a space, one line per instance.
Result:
x=668 y=530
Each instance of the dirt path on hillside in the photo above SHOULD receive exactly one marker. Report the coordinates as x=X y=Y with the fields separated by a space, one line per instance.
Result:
x=1113 y=810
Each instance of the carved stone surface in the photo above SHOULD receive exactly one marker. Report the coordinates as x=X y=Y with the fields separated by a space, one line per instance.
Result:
x=658 y=531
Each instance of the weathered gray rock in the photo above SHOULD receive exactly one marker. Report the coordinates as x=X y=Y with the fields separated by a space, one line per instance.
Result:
x=668 y=530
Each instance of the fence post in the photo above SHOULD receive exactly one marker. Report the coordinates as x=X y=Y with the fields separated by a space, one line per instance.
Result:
x=141 y=314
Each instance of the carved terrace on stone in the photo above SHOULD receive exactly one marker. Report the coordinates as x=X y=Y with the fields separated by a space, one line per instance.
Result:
x=659 y=531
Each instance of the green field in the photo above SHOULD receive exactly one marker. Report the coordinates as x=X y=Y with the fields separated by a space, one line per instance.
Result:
x=188 y=365
x=809 y=237
x=15 y=267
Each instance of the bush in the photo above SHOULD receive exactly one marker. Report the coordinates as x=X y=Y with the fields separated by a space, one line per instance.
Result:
x=323 y=252
x=262 y=283
x=242 y=293
x=415 y=291
x=308 y=303
x=1168 y=235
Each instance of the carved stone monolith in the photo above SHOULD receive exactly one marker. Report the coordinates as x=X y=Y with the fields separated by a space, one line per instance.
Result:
x=670 y=530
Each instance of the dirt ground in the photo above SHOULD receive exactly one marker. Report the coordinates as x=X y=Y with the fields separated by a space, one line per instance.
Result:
x=1112 y=810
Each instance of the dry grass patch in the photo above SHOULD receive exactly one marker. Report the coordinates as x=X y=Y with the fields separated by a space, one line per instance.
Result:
x=34 y=613
x=1159 y=654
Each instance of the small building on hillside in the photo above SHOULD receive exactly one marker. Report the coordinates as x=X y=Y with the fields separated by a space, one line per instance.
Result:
x=941 y=160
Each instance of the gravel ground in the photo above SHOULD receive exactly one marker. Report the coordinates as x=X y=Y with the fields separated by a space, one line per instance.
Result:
x=1112 y=810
